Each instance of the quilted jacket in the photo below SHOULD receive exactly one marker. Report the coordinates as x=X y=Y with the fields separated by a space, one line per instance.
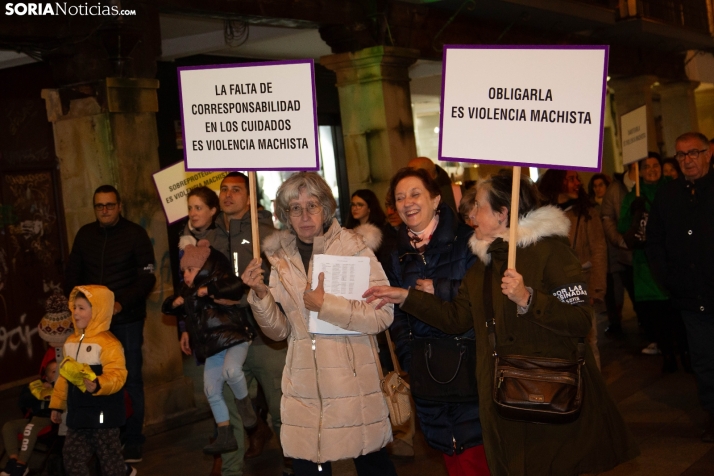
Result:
x=212 y=327
x=97 y=347
x=332 y=406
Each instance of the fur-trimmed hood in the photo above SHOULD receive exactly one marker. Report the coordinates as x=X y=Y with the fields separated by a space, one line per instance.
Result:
x=540 y=223
x=370 y=235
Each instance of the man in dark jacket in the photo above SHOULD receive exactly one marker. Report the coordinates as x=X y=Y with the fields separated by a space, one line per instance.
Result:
x=680 y=233
x=266 y=358
x=117 y=253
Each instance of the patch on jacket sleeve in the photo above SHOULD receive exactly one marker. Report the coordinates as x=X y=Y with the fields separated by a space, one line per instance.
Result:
x=573 y=293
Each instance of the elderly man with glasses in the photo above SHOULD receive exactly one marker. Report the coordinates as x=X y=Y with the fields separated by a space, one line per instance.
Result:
x=118 y=254
x=680 y=250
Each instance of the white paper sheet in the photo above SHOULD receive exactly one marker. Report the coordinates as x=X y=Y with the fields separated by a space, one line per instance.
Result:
x=346 y=276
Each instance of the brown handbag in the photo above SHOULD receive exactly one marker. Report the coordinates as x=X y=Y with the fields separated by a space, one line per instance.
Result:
x=533 y=389
x=394 y=388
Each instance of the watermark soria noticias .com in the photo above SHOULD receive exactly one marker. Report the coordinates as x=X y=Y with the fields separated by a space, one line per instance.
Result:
x=62 y=9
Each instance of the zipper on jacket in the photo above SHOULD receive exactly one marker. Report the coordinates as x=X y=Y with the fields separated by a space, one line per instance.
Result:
x=453 y=438
x=319 y=397
x=351 y=355
x=230 y=248
x=79 y=346
x=421 y=255
x=104 y=248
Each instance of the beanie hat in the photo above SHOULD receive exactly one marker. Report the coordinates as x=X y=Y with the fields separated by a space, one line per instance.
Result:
x=56 y=325
x=195 y=256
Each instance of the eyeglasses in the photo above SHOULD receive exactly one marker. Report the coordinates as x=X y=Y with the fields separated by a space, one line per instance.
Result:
x=692 y=154
x=100 y=206
x=296 y=210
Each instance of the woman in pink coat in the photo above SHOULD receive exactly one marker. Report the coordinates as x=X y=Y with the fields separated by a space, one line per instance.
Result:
x=332 y=406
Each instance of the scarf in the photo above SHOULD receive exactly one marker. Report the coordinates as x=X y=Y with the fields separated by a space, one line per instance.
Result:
x=419 y=239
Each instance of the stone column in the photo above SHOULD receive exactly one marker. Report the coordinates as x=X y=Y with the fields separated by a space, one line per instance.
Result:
x=679 y=111
x=631 y=93
x=705 y=111
x=375 y=105
x=105 y=133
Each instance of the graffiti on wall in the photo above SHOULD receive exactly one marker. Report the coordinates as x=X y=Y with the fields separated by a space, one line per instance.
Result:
x=20 y=336
x=32 y=205
x=30 y=267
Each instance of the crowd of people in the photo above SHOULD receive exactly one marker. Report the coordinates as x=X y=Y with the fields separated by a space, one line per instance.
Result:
x=439 y=281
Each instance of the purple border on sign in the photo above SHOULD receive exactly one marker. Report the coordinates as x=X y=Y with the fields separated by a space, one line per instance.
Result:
x=243 y=65
x=605 y=48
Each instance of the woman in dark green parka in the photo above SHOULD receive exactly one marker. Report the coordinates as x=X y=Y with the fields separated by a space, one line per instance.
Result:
x=530 y=320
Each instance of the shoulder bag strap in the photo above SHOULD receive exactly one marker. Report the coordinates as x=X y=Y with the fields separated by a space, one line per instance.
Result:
x=581 y=350
x=395 y=361
x=376 y=357
x=488 y=306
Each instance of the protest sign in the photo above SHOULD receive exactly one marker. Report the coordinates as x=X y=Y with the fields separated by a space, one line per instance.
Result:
x=250 y=116
x=173 y=184
x=634 y=135
x=537 y=106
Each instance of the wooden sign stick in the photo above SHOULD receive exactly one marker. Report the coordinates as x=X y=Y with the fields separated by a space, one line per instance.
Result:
x=254 y=213
x=513 y=226
x=637 y=179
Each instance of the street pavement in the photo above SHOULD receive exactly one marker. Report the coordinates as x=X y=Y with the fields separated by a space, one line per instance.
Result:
x=661 y=410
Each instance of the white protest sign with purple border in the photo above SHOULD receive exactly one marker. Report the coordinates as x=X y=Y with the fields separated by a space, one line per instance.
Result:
x=533 y=106
x=249 y=116
x=634 y=135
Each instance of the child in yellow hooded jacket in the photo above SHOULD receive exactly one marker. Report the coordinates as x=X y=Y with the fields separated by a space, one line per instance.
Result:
x=90 y=384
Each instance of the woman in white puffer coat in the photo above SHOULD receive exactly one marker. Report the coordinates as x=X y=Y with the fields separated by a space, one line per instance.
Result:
x=332 y=406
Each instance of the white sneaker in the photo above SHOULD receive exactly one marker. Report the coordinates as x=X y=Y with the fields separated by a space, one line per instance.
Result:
x=651 y=349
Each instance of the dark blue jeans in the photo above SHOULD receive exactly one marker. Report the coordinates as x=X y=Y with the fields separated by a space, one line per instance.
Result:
x=131 y=337
x=700 y=332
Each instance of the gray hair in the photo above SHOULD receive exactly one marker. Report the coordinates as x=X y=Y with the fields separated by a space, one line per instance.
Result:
x=468 y=200
x=315 y=186
x=693 y=135
x=498 y=187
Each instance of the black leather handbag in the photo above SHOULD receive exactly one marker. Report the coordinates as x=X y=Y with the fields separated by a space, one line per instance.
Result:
x=443 y=369
x=533 y=389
